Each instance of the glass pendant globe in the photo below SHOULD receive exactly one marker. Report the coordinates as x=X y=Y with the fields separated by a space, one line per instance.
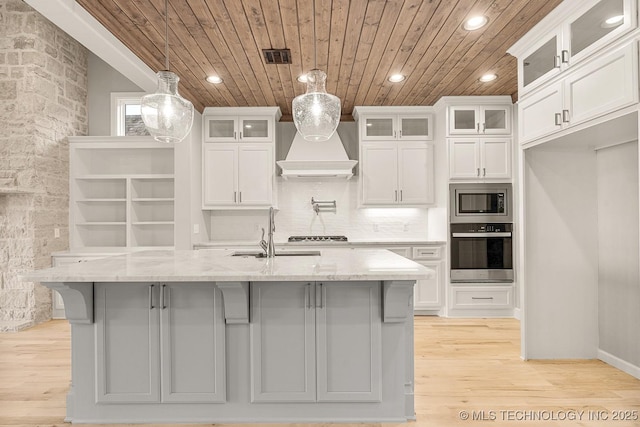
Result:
x=167 y=116
x=316 y=113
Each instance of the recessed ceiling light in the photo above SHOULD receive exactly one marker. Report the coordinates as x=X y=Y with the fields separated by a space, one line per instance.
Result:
x=488 y=78
x=475 y=23
x=613 y=21
x=395 y=78
x=302 y=78
x=214 y=79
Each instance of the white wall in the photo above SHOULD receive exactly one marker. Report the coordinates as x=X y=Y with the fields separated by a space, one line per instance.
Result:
x=561 y=260
x=619 y=282
x=103 y=80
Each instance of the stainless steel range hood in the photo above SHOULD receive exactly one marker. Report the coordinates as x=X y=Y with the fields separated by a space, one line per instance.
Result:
x=307 y=159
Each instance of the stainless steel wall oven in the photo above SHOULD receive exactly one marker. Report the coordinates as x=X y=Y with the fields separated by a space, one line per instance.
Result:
x=481 y=252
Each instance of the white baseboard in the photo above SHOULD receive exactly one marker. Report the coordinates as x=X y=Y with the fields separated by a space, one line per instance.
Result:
x=517 y=313
x=616 y=362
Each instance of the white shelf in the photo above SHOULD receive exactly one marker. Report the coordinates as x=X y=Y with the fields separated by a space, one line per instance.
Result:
x=122 y=194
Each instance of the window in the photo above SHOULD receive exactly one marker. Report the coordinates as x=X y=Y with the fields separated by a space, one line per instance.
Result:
x=125 y=114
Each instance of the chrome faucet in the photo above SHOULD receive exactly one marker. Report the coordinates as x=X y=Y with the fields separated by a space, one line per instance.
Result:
x=270 y=249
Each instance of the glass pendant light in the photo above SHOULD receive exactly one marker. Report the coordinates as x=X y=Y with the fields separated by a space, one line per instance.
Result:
x=316 y=113
x=167 y=116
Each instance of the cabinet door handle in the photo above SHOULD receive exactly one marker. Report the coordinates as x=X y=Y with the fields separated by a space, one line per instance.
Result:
x=484 y=127
x=162 y=302
x=240 y=135
x=565 y=116
x=395 y=134
x=235 y=199
x=565 y=56
x=396 y=198
x=478 y=127
x=400 y=195
x=234 y=135
x=240 y=197
x=478 y=173
x=400 y=133
x=558 y=119
x=308 y=292
x=556 y=62
x=484 y=171
x=321 y=296
x=151 y=307
x=482 y=298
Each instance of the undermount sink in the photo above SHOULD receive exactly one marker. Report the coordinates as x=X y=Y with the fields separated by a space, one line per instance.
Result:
x=261 y=254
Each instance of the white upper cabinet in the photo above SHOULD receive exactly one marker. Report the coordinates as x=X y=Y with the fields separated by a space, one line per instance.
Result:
x=237 y=176
x=238 y=129
x=394 y=123
x=581 y=28
x=479 y=158
x=397 y=174
x=479 y=120
x=238 y=157
x=598 y=87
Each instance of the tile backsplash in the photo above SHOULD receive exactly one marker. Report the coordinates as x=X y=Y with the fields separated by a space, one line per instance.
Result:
x=295 y=215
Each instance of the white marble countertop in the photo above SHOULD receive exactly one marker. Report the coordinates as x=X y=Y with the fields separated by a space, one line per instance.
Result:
x=219 y=265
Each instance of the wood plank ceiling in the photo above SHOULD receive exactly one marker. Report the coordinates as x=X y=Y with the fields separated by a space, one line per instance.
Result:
x=359 y=44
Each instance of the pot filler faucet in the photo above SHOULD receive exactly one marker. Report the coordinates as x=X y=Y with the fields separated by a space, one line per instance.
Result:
x=268 y=247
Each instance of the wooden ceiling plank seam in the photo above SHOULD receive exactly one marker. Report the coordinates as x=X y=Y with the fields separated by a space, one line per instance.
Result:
x=224 y=30
x=355 y=22
x=322 y=22
x=388 y=65
x=443 y=45
x=212 y=62
x=373 y=16
x=460 y=42
x=181 y=40
x=289 y=17
x=307 y=41
x=257 y=27
x=194 y=39
x=339 y=14
x=481 y=44
x=275 y=31
x=243 y=30
x=519 y=28
x=153 y=58
x=423 y=44
x=381 y=51
x=408 y=44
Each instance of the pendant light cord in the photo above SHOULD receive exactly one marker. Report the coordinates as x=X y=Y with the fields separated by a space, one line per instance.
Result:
x=315 y=39
x=166 y=34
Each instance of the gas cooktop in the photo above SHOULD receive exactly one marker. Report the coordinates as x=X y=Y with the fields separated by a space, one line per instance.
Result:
x=320 y=239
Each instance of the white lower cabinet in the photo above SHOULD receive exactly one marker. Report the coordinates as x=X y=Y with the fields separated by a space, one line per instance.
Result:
x=149 y=335
x=427 y=293
x=481 y=300
x=292 y=322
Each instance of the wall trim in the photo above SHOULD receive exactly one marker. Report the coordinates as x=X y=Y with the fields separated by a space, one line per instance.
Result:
x=618 y=363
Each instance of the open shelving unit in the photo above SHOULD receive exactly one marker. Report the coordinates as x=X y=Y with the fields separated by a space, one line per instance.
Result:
x=122 y=193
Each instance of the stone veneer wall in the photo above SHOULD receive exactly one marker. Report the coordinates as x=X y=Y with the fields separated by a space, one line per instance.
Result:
x=43 y=100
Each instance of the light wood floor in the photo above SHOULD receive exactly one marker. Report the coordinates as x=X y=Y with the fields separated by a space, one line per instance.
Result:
x=461 y=365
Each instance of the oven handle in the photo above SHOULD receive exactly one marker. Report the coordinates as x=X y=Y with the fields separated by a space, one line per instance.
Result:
x=505 y=234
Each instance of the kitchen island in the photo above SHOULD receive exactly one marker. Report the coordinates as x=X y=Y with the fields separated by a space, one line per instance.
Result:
x=209 y=336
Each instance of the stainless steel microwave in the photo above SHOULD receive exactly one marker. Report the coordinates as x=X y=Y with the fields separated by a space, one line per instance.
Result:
x=483 y=202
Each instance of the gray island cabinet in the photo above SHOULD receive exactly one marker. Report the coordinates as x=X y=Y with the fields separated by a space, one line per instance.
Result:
x=209 y=337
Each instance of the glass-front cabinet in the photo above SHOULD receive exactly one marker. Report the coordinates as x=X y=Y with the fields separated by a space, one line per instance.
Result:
x=410 y=127
x=238 y=129
x=595 y=24
x=479 y=120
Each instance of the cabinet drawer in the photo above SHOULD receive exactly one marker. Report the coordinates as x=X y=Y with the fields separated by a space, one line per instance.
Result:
x=405 y=251
x=427 y=252
x=472 y=297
